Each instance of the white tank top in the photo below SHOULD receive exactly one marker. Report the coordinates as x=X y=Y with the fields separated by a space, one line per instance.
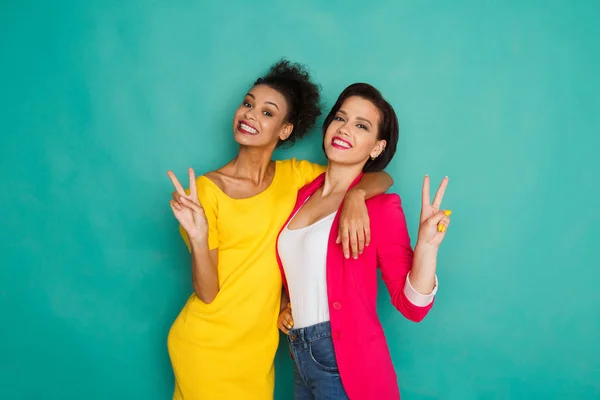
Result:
x=303 y=253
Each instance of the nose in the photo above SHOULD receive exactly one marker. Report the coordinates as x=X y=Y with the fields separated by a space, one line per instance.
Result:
x=344 y=130
x=250 y=114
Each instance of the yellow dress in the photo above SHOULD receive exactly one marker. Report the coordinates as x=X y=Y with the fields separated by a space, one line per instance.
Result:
x=225 y=349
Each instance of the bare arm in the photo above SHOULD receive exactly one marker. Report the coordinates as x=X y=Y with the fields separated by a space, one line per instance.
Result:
x=285 y=300
x=355 y=232
x=432 y=231
x=205 y=277
x=190 y=214
x=372 y=184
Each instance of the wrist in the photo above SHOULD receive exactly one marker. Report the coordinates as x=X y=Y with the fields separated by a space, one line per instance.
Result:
x=427 y=250
x=198 y=241
x=356 y=191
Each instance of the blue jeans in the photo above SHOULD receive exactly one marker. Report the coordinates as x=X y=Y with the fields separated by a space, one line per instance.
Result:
x=316 y=375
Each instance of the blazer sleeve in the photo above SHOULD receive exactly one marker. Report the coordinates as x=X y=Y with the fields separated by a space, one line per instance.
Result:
x=395 y=257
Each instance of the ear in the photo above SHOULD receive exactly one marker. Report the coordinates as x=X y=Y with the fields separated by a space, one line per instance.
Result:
x=286 y=131
x=378 y=149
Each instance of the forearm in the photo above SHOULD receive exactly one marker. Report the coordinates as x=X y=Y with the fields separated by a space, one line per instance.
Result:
x=422 y=274
x=205 y=276
x=285 y=300
x=373 y=184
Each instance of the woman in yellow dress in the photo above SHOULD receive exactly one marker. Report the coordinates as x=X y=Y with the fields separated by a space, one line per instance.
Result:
x=223 y=343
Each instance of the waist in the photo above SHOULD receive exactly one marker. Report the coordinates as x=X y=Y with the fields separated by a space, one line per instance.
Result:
x=310 y=333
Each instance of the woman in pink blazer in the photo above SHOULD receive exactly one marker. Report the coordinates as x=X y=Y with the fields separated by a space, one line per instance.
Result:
x=337 y=341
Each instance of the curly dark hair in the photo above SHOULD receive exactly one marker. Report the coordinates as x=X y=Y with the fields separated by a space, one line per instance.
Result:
x=303 y=96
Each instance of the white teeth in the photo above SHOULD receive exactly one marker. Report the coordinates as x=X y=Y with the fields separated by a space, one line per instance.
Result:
x=341 y=143
x=249 y=129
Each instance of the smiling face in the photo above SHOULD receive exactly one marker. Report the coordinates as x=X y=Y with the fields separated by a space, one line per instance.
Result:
x=353 y=134
x=261 y=119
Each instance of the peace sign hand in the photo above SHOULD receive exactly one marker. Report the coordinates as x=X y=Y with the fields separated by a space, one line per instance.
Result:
x=434 y=221
x=187 y=208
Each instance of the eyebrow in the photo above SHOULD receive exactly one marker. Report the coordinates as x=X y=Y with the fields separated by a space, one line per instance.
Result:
x=359 y=118
x=270 y=102
x=364 y=119
x=267 y=102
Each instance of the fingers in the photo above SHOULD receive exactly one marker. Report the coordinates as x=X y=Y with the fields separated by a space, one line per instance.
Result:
x=178 y=199
x=443 y=224
x=193 y=191
x=180 y=205
x=285 y=321
x=288 y=321
x=176 y=183
x=176 y=196
x=439 y=195
x=175 y=206
x=282 y=327
x=190 y=204
x=354 y=239
x=426 y=200
x=357 y=241
x=436 y=218
x=345 y=242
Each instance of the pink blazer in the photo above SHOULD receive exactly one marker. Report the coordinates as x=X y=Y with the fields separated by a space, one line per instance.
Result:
x=361 y=349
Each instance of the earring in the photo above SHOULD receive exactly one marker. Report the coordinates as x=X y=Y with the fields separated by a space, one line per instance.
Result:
x=373 y=158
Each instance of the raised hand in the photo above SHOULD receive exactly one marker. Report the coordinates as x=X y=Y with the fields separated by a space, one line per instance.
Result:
x=434 y=221
x=187 y=208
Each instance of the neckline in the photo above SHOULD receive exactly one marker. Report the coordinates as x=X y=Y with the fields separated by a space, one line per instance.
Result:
x=325 y=218
x=287 y=226
x=254 y=197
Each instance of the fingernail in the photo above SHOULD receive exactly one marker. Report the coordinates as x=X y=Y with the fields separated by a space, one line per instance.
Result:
x=448 y=213
x=355 y=257
x=440 y=228
x=443 y=228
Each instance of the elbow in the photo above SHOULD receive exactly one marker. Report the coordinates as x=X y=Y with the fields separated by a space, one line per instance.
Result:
x=416 y=317
x=206 y=298
x=411 y=311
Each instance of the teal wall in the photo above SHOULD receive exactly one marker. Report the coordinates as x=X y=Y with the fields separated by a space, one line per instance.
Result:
x=98 y=98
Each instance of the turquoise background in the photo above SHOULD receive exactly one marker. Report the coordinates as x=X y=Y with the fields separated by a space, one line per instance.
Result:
x=98 y=98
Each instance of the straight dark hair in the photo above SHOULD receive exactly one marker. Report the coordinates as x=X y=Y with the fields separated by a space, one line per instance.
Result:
x=388 y=128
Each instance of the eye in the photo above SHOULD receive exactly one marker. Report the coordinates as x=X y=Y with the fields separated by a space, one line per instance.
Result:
x=339 y=119
x=361 y=126
x=247 y=105
x=268 y=114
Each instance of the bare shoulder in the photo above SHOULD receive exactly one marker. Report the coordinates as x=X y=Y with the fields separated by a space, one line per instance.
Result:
x=218 y=177
x=237 y=183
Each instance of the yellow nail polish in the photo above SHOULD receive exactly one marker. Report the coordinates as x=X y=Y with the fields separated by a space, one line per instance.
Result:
x=443 y=228
x=440 y=226
x=448 y=213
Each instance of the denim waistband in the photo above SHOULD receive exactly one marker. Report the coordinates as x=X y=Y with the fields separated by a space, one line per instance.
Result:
x=310 y=333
